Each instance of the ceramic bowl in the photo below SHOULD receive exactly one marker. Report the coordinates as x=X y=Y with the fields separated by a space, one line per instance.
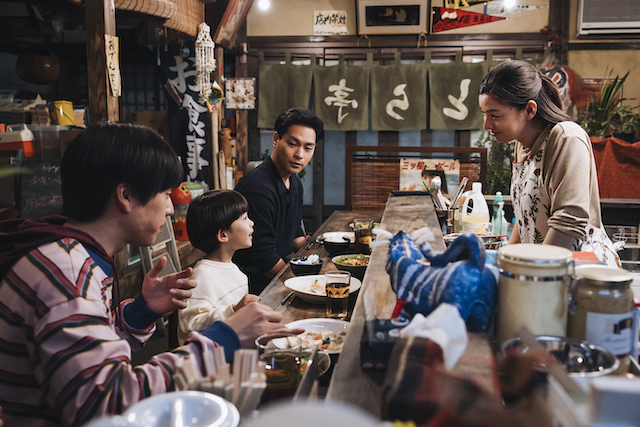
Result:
x=304 y=269
x=356 y=271
x=579 y=358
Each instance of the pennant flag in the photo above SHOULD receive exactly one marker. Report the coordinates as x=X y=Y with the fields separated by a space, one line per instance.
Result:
x=342 y=95
x=448 y=19
x=399 y=96
x=282 y=86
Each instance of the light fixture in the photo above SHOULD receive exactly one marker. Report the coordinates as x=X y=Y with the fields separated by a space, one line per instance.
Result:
x=264 y=4
x=509 y=4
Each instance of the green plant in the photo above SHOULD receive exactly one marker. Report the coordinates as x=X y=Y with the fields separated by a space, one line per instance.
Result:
x=623 y=120
x=499 y=159
x=601 y=108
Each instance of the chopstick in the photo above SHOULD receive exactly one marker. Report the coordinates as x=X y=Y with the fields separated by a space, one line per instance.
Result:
x=284 y=301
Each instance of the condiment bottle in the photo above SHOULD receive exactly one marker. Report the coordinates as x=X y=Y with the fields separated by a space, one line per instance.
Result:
x=475 y=212
x=603 y=313
x=498 y=214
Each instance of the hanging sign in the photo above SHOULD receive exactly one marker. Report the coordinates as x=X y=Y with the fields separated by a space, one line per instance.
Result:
x=448 y=19
x=329 y=22
x=399 y=96
x=189 y=139
x=112 y=50
x=342 y=96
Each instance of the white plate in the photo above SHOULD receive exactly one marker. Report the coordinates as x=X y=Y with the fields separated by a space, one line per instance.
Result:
x=338 y=236
x=321 y=324
x=301 y=285
x=192 y=408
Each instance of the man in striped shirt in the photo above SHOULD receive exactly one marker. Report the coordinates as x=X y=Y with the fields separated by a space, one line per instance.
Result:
x=65 y=337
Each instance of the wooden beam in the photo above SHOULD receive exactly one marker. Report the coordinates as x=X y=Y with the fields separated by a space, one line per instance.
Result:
x=100 y=17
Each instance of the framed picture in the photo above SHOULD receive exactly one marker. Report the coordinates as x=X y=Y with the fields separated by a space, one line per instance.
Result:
x=233 y=17
x=392 y=16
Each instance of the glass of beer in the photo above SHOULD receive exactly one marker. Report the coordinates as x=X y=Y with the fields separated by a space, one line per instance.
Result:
x=281 y=353
x=337 y=284
x=362 y=230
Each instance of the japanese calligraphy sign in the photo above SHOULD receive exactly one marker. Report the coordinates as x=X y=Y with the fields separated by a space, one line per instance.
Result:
x=329 y=22
x=342 y=95
x=453 y=90
x=282 y=86
x=416 y=173
x=399 y=96
x=189 y=139
x=112 y=50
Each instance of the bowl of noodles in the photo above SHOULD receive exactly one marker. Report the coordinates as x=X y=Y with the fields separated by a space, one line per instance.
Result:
x=356 y=264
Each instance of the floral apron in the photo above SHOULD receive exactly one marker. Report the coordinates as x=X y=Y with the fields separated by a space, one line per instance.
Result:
x=532 y=208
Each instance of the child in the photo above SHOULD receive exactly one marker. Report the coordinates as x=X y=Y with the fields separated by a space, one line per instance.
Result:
x=218 y=225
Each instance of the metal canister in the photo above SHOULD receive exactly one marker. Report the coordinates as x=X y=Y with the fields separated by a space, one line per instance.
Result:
x=533 y=290
x=602 y=309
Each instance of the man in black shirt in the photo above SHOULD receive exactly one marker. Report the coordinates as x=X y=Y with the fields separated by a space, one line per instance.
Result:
x=275 y=195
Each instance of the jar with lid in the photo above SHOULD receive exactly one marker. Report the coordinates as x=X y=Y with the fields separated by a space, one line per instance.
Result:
x=601 y=310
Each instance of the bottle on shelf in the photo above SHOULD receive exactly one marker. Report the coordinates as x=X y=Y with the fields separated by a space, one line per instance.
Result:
x=475 y=212
x=498 y=214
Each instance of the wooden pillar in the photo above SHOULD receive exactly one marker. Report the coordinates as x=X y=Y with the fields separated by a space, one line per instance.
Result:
x=242 y=116
x=100 y=17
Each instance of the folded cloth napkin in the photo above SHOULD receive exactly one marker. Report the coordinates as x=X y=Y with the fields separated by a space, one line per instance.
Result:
x=444 y=326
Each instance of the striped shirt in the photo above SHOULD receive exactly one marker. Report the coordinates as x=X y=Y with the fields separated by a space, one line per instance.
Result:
x=62 y=359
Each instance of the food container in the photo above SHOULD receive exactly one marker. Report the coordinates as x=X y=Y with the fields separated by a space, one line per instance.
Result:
x=301 y=266
x=602 y=309
x=532 y=290
x=579 y=358
x=356 y=264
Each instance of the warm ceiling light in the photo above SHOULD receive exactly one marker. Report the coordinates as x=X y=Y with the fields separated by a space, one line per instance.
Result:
x=509 y=4
x=264 y=4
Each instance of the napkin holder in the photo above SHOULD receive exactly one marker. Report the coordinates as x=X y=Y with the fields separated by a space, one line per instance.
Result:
x=377 y=341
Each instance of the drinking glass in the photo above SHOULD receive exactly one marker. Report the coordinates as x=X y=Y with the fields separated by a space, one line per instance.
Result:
x=362 y=230
x=281 y=353
x=337 y=285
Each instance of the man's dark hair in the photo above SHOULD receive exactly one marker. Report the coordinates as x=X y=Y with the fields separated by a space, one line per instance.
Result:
x=211 y=212
x=299 y=116
x=106 y=155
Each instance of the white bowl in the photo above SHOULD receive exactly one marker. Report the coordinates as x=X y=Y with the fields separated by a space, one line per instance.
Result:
x=339 y=236
x=301 y=286
x=321 y=324
x=192 y=408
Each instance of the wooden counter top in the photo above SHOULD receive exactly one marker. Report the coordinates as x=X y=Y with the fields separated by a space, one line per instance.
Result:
x=349 y=382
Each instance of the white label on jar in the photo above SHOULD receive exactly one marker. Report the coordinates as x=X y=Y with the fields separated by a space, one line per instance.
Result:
x=611 y=331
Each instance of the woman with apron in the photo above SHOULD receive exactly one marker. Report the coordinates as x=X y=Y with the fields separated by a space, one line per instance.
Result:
x=554 y=187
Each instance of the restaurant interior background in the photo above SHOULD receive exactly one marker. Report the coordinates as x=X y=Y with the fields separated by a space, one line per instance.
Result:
x=285 y=30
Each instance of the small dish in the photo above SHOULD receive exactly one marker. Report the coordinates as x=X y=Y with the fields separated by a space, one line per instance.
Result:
x=324 y=362
x=300 y=269
x=321 y=324
x=193 y=408
x=312 y=288
x=579 y=358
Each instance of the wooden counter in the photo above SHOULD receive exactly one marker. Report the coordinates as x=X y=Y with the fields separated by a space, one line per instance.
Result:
x=349 y=382
x=276 y=291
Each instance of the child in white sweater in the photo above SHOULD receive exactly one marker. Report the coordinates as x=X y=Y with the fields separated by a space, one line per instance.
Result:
x=218 y=225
